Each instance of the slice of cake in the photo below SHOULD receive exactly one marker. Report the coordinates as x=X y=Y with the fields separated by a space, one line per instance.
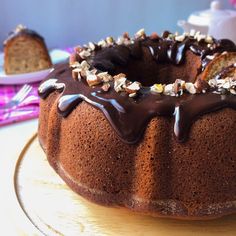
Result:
x=25 y=51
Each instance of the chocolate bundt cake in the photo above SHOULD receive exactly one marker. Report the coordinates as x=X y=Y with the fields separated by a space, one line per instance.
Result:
x=147 y=123
x=25 y=51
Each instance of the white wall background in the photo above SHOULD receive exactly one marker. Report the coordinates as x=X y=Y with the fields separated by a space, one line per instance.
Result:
x=69 y=22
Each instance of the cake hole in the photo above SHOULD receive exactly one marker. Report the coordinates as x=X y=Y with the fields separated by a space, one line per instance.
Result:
x=145 y=69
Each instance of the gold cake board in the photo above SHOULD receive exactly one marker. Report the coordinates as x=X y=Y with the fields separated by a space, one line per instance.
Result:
x=54 y=209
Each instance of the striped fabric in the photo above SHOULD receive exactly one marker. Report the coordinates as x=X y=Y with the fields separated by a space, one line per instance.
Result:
x=28 y=109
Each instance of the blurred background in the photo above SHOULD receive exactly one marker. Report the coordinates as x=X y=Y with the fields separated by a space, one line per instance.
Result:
x=70 y=22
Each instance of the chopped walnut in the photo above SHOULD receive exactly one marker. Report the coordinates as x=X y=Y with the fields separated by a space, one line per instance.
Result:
x=209 y=39
x=140 y=34
x=84 y=54
x=190 y=88
x=169 y=90
x=93 y=79
x=133 y=87
x=121 y=75
x=105 y=77
x=120 y=84
x=110 y=40
x=76 y=74
x=91 y=46
x=102 y=43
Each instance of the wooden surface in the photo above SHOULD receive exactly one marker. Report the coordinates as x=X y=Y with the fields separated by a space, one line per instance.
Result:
x=55 y=210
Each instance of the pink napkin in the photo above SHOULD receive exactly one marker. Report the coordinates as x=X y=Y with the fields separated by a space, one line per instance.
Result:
x=28 y=109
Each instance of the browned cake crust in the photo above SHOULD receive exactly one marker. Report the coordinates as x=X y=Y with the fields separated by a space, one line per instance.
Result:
x=25 y=51
x=157 y=175
x=218 y=64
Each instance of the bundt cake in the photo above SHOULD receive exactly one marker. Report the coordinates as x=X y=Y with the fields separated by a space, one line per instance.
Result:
x=147 y=123
x=25 y=51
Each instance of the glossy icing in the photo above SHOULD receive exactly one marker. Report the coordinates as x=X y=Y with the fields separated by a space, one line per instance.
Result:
x=129 y=117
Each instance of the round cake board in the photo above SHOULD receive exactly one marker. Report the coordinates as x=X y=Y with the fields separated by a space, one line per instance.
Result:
x=54 y=209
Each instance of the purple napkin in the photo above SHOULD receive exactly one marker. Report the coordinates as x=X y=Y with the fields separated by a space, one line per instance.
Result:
x=28 y=109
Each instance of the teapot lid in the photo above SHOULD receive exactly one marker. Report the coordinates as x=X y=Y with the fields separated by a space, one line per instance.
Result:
x=204 y=17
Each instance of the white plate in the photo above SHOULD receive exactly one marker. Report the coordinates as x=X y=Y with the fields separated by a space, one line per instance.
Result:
x=56 y=56
x=24 y=78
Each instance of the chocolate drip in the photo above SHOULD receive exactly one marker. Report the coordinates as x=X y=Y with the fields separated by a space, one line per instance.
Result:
x=129 y=117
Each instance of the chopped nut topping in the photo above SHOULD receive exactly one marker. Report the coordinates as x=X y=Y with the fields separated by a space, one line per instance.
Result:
x=233 y=91
x=76 y=74
x=81 y=68
x=126 y=35
x=180 y=38
x=133 y=87
x=85 y=65
x=105 y=77
x=121 y=75
x=186 y=34
x=196 y=34
x=124 y=40
x=171 y=36
x=110 y=40
x=75 y=64
x=201 y=37
x=190 y=88
x=192 y=32
x=157 y=88
x=78 y=49
x=169 y=90
x=93 y=79
x=140 y=34
x=209 y=39
x=91 y=46
x=119 y=84
x=212 y=83
x=84 y=54
x=223 y=86
x=102 y=43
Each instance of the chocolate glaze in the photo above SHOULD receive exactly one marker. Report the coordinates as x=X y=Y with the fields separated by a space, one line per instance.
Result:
x=22 y=32
x=129 y=117
x=162 y=49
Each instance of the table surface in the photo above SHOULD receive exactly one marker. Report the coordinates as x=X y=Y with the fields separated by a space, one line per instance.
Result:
x=12 y=140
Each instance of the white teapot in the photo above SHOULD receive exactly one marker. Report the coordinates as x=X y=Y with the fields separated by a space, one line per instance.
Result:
x=217 y=22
